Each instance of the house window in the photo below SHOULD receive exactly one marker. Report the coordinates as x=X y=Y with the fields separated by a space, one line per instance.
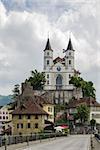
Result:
x=6 y=117
x=47 y=81
x=69 y=75
x=3 y=117
x=36 y=116
x=17 y=126
x=0 y=117
x=69 y=62
x=36 y=125
x=28 y=117
x=20 y=117
x=47 y=75
x=6 y=112
x=47 y=62
x=49 y=109
x=20 y=125
x=3 y=112
x=28 y=125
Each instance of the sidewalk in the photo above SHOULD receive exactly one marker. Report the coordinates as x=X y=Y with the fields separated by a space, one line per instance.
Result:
x=96 y=144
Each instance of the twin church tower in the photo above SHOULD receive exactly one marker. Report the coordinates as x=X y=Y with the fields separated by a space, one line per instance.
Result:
x=58 y=72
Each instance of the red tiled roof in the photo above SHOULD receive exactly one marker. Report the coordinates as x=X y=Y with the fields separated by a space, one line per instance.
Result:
x=42 y=100
x=58 y=59
x=88 y=101
x=29 y=107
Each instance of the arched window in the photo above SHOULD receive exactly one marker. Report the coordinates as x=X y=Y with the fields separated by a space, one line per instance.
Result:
x=69 y=62
x=59 y=82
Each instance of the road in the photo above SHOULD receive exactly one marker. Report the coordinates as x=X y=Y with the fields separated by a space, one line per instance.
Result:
x=73 y=142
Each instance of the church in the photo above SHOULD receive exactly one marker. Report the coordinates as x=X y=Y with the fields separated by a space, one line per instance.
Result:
x=58 y=72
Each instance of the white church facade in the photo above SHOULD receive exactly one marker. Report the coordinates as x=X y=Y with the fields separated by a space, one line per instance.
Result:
x=58 y=72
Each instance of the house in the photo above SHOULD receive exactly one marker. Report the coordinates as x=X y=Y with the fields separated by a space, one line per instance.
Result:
x=92 y=104
x=40 y=98
x=28 y=118
x=47 y=106
x=5 y=119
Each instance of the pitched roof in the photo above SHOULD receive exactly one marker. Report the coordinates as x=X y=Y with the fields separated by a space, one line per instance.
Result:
x=29 y=107
x=48 y=46
x=58 y=59
x=70 y=46
x=90 y=102
x=41 y=100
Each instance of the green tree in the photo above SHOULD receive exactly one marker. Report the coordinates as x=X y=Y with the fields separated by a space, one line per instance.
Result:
x=76 y=81
x=37 y=80
x=86 y=86
x=88 y=89
x=83 y=113
x=16 y=91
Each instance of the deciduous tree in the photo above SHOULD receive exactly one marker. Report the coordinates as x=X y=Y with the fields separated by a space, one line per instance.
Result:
x=37 y=80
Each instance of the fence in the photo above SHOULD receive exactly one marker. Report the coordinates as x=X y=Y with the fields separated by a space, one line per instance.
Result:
x=15 y=139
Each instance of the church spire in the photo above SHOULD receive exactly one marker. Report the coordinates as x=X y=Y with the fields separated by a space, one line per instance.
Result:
x=48 y=46
x=70 y=46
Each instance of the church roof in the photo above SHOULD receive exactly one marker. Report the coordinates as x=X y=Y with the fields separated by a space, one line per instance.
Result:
x=70 y=46
x=48 y=46
x=58 y=59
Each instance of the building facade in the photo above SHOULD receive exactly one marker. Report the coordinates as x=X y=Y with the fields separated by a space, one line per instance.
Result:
x=5 y=118
x=92 y=104
x=58 y=72
x=28 y=118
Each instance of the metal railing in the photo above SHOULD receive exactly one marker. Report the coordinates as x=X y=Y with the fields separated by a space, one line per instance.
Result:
x=15 y=139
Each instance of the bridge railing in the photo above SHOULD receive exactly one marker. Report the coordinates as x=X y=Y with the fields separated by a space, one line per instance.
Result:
x=15 y=139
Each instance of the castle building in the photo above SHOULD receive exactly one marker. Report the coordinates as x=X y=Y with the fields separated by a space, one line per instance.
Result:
x=58 y=72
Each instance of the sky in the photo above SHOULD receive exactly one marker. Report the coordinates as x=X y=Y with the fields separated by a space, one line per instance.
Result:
x=24 y=28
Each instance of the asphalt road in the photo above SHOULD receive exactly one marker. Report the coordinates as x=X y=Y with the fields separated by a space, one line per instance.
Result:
x=73 y=142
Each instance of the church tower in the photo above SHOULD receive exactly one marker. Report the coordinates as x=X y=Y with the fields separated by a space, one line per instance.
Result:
x=69 y=56
x=48 y=56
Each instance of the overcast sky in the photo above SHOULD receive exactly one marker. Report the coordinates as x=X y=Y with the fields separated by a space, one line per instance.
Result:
x=24 y=27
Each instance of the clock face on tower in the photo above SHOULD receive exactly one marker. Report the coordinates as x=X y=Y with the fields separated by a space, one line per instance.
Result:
x=58 y=68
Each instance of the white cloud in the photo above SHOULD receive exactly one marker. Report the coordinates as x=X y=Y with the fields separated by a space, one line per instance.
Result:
x=23 y=35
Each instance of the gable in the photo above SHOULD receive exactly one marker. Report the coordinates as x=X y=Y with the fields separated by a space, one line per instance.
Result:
x=58 y=67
